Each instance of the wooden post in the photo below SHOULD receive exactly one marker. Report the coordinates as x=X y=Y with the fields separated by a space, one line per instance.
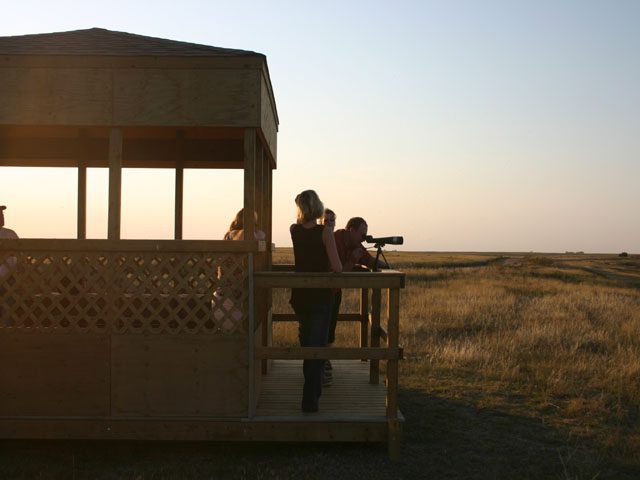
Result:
x=249 y=182
x=113 y=232
x=393 y=332
x=249 y=234
x=179 y=195
x=177 y=228
x=267 y=335
x=376 y=300
x=259 y=183
x=268 y=338
x=268 y=207
x=82 y=186
x=115 y=182
x=393 y=329
x=262 y=297
x=364 y=318
x=394 y=439
x=251 y=360
x=82 y=199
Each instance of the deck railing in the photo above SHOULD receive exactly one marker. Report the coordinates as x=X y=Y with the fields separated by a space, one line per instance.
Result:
x=370 y=347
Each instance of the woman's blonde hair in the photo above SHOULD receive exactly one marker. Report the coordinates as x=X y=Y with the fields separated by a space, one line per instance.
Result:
x=309 y=206
x=238 y=221
x=238 y=224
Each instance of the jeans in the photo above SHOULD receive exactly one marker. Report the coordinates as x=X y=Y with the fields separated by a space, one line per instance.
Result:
x=335 y=310
x=313 y=332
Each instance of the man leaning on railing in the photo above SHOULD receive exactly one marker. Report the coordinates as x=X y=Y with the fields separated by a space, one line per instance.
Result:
x=352 y=253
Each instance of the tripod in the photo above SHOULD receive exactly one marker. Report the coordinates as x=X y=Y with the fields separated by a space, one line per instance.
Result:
x=379 y=252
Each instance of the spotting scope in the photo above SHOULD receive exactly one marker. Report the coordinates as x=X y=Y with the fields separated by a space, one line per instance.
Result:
x=384 y=240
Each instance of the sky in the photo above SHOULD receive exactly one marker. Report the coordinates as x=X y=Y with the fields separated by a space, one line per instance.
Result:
x=509 y=126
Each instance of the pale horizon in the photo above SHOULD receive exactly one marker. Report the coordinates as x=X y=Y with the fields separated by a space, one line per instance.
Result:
x=490 y=127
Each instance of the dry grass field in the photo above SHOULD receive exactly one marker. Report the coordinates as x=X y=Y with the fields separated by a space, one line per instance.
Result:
x=516 y=366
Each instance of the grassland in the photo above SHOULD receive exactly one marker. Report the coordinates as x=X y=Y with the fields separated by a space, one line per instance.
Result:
x=516 y=366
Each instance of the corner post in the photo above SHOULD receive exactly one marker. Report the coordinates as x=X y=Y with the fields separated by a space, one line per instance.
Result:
x=249 y=183
x=179 y=192
x=82 y=185
x=376 y=301
x=82 y=201
x=252 y=391
x=115 y=182
x=393 y=333
x=267 y=327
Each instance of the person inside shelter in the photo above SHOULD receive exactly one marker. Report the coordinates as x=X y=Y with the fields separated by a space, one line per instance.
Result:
x=7 y=262
x=236 y=229
x=227 y=297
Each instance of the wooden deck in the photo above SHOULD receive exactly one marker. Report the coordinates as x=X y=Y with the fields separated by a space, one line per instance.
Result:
x=351 y=410
x=351 y=398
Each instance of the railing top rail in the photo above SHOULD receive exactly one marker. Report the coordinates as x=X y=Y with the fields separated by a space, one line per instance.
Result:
x=178 y=246
x=383 y=279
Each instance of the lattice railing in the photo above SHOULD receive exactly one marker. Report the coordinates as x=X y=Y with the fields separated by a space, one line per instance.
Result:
x=121 y=292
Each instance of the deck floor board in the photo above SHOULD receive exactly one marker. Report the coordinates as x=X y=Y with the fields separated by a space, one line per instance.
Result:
x=351 y=398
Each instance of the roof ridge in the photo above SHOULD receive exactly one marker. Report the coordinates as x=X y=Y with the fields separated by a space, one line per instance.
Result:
x=101 y=41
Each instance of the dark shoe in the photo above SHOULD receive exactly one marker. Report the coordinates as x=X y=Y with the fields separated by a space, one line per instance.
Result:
x=311 y=407
x=327 y=365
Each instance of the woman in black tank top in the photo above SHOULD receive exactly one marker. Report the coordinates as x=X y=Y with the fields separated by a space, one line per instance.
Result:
x=314 y=249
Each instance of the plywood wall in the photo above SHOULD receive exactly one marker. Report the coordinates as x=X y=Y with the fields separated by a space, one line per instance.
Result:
x=54 y=374
x=182 y=376
x=235 y=96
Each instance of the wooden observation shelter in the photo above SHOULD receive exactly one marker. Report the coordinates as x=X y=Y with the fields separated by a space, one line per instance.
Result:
x=124 y=339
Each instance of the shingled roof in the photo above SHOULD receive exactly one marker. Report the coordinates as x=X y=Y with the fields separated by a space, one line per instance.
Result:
x=98 y=41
